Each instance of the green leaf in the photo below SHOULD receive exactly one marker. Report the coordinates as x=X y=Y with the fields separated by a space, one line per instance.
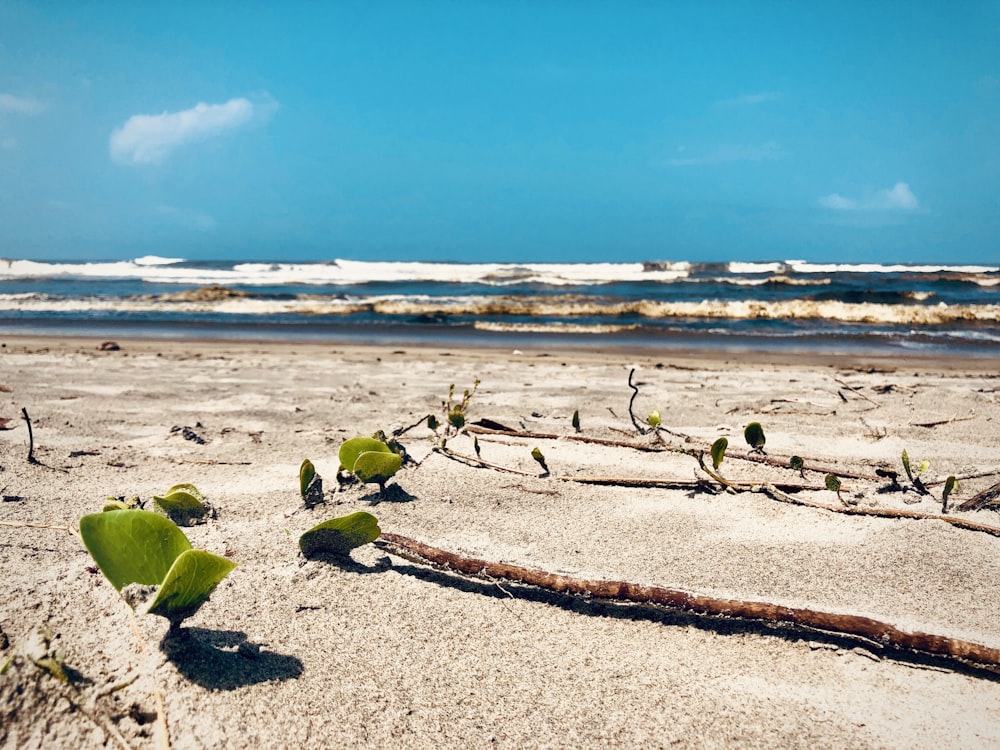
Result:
x=432 y=422
x=653 y=419
x=797 y=463
x=351 y=449
x=456 y=417
x=115 y=504
x=832 y=483
x=949 y=486
x=906 y=466
x=338 y=536
x=188 y=584
x=184 y=500
x=576 y=420
x=306 y=473
x=133 y=546
x=376 y=466
x=754 y=435
x=719 y=451
x=536 y=453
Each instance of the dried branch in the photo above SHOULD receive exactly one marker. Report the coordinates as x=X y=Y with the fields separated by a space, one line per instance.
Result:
x=856 y=390
x=529 y=435
x=873 y=632
x=982 y=500
x=939 y=422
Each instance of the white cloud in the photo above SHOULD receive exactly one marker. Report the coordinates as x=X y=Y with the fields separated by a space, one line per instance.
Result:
x=727 y=153
x=897 y=198
x=20 y=105
x=838 y=202
x=149 y=139
x=749 y=99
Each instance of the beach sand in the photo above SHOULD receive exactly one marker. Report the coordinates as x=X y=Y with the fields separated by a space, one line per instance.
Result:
x=384 y=652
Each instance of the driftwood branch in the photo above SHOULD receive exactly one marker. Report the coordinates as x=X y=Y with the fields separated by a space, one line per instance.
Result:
x=873 y=632
x=982 y=500
x=779 y=462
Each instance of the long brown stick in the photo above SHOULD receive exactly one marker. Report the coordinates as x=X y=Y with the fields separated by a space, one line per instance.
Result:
x=881 y=633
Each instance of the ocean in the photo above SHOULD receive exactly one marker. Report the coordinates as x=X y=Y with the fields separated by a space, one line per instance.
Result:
x=658 y=305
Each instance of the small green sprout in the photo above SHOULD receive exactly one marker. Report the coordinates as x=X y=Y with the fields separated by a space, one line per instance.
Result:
x=370 y=460
x=120 y=503
x=576 y=420
x=754 y=435
x=310 y=484
x=719 y=451
x=475 y=445
x=834 y=485
x=950 y=485
x=144 y=554
x=913 y=473
x=184 y=504
x=536 y=454
x=797 y=464
x=653 y=420
x=339 y=536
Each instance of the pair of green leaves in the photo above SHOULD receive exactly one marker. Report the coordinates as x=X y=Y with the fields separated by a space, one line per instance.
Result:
x=370 y=460
x=138 y=546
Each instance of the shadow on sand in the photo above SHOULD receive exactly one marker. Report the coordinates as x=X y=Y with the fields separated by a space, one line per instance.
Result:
x=225 y=659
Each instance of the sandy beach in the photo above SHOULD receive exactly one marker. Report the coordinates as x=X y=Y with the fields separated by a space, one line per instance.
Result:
x=381 y=651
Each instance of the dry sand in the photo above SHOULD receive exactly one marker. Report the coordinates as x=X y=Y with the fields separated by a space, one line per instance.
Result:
x=386 y=653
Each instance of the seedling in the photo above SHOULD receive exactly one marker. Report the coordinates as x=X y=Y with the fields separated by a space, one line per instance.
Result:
x=653 y=420
x=456 y=412
x=834 y=485
x=576 y=420
x=719 y=452
x=913 y=473
x=184 y=504
x=754 y=435
x=339 y=536
x=950 y=484
x=144 y=554
x=536 y=454
x=310 y=484
x=370 y=460
x=120 y=503
x=797 y=464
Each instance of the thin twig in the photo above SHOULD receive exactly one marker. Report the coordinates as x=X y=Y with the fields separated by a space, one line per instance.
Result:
x=161 y=720
x=856 y=390
x=31 y=437
x=871 y=631
x=635 y=393
x=939 y=422
x=29 y=525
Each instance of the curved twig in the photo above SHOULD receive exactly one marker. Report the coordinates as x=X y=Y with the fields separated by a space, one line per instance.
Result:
x=871 y=631
x=635 y=393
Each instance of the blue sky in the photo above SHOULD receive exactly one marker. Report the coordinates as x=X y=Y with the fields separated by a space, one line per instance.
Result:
x=508 y=131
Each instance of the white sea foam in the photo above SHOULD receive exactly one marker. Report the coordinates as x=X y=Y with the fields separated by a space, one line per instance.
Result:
x=801 y=266
x=540 y=308
x=156 y=260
